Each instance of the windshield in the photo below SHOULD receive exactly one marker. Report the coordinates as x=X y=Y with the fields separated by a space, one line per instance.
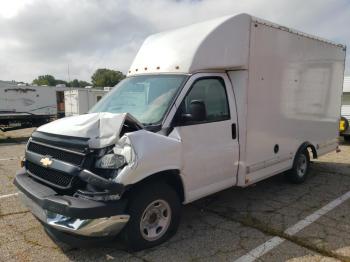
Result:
x=145 y=97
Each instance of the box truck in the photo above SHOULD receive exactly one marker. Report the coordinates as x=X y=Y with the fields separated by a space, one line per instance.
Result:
x=222 y=103
x=80 y=101
x=24 y=106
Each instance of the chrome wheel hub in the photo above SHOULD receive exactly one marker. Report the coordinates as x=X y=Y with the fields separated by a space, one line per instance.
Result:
x=155 y=220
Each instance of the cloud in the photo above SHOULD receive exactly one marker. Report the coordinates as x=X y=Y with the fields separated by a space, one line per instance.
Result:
x=40 y=37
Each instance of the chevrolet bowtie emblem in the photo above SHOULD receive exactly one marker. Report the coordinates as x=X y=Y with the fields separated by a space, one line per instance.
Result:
x=46 y=161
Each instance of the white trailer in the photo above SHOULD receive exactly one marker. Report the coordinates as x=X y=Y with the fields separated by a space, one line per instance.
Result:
x=23 y=106
x=79 y=101
x=345 y=110
x=223 y=103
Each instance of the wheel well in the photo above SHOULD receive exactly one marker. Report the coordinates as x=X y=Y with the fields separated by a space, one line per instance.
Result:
x=171 y=177
x=310 y=147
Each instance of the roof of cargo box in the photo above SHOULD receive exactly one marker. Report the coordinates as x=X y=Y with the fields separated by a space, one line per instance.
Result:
x=221 y=43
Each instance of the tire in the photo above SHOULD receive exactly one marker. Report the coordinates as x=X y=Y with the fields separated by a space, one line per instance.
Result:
x=300 y=170
x=159 y=206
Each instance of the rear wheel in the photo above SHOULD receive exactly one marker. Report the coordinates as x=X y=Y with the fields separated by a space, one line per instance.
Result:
x=155 y=211
x=300 y=168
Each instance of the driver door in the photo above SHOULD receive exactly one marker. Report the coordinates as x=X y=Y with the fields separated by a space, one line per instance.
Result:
x=210 y=150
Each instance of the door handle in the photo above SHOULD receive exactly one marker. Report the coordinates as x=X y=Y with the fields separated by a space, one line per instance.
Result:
x=234 y=131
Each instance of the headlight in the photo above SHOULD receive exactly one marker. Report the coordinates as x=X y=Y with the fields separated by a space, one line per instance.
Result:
x=126 y=151
x=110 y=161
x=121 y=155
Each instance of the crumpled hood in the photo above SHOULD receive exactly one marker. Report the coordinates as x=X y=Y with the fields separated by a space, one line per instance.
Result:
x=103 y=129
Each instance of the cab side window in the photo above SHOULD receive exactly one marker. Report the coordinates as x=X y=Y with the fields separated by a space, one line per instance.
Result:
x=211 y=94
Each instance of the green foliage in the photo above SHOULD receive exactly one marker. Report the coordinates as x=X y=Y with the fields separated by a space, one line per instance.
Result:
x=74 y=83
x=78 y=83
x=102 y=77
x=60 y=82
x=84 y=84
x=45 y=80
x=49 y=80
x=106 y=77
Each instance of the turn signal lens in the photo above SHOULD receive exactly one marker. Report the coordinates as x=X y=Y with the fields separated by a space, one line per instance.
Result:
x=22 y=162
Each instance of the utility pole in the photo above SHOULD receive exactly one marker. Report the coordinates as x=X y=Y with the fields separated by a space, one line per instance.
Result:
x=70 y=91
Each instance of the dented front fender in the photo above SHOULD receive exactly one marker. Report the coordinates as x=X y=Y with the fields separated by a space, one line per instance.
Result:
x=153 y=153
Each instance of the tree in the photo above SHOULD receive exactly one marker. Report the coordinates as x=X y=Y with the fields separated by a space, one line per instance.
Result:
x=84 y=84
x=106 y=77
x=49 y=80
x=60 y=82
x=74 y=83
x=45 y=80
x=78 y=83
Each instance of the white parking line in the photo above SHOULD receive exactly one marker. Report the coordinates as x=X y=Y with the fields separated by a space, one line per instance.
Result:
x=276 y=241
x=9 y=195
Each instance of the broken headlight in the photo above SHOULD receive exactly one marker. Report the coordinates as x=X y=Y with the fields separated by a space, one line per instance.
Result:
x=121 y=155
x=110 y=161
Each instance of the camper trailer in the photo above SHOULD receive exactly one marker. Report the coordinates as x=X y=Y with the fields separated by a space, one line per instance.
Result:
x=345 y=110
x=26 y=106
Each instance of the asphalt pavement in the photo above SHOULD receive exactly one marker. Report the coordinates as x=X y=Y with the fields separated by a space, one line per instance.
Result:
x=270 y=221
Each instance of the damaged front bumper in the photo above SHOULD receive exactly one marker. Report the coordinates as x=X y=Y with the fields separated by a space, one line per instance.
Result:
x=97 y=227
x=71 y=214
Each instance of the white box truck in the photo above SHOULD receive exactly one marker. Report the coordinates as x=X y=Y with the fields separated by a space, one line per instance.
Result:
x=79 y=101
x=223 y=103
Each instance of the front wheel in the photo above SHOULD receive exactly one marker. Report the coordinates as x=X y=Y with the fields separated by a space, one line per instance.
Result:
x=300 y=168
x=155 y=211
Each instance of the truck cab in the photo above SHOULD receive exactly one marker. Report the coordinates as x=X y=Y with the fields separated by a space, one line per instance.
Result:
x=189 y=127
x=201 y=110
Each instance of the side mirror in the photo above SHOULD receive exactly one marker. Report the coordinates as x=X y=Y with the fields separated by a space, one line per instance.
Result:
x=197 y=112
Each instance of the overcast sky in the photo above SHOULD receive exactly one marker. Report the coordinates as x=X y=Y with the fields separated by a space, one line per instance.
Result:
x=42 y=37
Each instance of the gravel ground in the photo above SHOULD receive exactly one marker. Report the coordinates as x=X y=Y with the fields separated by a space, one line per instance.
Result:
x=222 y=227
x=15 y=136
